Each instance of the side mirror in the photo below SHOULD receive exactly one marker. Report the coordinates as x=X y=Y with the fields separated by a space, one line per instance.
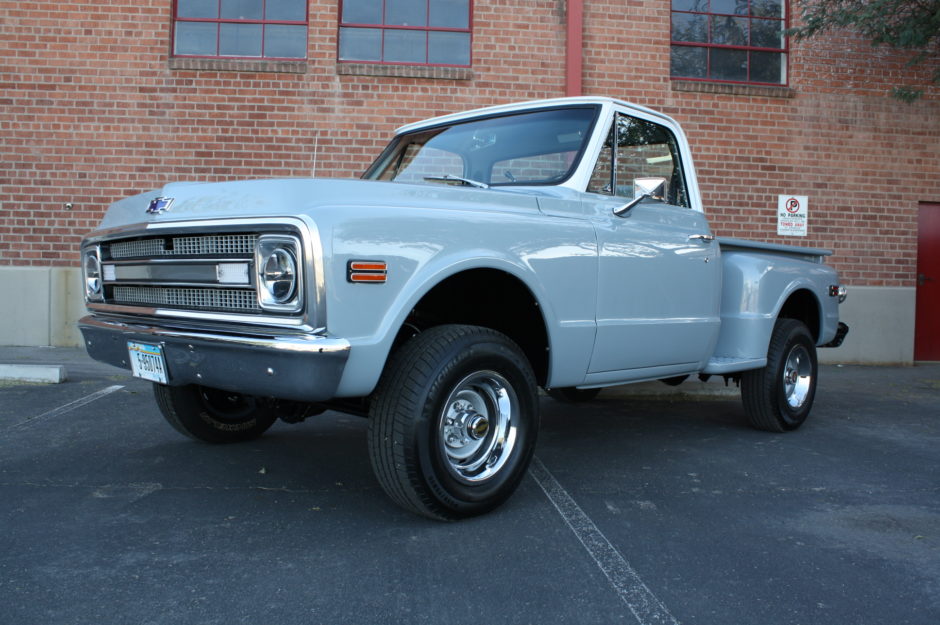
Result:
x=653 y=187
x=643 y=188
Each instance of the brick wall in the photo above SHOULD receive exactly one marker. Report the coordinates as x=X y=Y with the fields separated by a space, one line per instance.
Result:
x=94 y=109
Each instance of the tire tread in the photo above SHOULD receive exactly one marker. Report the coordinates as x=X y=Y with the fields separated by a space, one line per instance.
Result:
x=760 y=388
x=400 y=393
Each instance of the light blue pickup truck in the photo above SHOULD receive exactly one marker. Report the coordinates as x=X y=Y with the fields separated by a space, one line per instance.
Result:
x=559 y=244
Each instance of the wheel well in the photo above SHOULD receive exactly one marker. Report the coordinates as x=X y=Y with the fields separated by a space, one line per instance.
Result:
x=803 y=306
x=489 y=298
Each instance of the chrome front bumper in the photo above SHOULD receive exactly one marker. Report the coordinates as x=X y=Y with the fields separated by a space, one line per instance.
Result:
x=298 y=367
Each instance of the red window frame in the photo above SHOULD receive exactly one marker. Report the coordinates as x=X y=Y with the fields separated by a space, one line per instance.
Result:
x=390 y=27
x=220 y=20
x=784 y=50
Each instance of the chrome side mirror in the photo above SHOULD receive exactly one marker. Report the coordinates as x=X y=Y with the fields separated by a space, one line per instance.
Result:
x=643 y=188
x=653 y=187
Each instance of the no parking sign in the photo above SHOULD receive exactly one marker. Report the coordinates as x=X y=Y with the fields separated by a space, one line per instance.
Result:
x=792 y=215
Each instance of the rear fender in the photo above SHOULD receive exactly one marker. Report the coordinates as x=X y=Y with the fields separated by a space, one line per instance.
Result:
x=756 y=289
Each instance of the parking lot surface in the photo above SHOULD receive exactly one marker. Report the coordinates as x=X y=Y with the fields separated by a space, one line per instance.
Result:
x=637 y=509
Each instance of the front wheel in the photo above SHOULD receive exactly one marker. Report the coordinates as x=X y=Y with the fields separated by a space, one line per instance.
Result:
x=779 y=397
x=213 y=415
x=453 y=422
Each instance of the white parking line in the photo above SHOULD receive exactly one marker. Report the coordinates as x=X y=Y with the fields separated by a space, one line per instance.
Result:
x=639 y=598
x=72 y=405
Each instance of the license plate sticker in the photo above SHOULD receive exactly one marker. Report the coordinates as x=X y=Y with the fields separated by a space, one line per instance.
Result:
x=147 y=362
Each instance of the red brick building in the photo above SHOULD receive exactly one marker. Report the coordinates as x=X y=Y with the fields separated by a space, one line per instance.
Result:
x=102 y=100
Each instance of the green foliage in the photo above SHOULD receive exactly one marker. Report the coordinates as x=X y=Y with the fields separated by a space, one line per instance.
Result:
x=901 y=24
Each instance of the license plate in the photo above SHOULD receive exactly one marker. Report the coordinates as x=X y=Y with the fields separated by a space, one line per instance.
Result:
x=147 y=362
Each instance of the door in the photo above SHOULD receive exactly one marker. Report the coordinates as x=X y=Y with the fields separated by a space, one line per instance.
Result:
x=927 y=323
x=659 y=275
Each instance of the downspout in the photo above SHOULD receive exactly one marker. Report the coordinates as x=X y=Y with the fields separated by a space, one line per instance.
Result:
x=574 y=39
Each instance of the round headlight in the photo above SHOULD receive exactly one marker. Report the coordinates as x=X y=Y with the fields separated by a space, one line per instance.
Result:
x=279 y=275
x=92 y=275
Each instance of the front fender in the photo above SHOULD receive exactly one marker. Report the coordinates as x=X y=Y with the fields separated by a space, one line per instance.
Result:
x=423 y=248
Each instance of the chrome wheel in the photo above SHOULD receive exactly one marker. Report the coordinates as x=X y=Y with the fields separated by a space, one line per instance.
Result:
x=797 y=376
x=477 y=429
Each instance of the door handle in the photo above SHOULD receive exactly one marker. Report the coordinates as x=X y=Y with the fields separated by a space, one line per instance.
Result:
x=921 y=279
x=706 y=238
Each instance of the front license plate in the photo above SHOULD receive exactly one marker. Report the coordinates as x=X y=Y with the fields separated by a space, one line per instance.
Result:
x=147 y=362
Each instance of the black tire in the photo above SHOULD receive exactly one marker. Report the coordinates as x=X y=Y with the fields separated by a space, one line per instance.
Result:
x=779 y=397
x=453 y=422
x=572 y=395
x=212 y=415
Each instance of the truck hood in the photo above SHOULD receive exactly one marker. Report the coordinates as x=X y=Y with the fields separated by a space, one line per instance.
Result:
x=294 y=196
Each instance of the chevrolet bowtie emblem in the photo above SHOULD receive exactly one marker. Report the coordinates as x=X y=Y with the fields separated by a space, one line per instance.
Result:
x=159 y=205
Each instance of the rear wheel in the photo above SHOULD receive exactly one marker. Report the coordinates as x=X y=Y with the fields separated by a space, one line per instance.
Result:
x=214 y=415
x=779 y=397
x=453 y=422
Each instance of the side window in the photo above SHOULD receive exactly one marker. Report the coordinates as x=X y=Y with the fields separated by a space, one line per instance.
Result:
x=644 y=152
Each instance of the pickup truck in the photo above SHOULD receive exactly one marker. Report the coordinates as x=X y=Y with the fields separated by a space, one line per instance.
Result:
x=559 y=244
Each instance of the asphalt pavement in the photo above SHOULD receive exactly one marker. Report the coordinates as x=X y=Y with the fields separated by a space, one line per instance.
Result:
x=639 y=508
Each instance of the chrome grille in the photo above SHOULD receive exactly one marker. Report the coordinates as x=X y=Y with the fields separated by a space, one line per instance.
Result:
x=199 y=245
x=228 y=300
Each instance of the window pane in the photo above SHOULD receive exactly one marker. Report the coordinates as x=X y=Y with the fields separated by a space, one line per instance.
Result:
x=240 y=40
x=687 y=27
x=420 y=161
x=729 y=64
x=449 y=14
x=449 y=48
x=700 y=6
x=406 y=46
x=362 y=11
x=768 y=67
x=689 y=62
x=406 y=12
x=197 y=8
x=731 y=7
x=242 y=9
x=197 y=38
x=729 y=31
x=767 y=8
x=284 y=41
x=767 y=33
x=360 y=44
x=285 y=10
x=537 y=168
x=647 y=153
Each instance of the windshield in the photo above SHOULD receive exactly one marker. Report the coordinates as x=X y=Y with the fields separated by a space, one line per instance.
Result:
x=536 y=147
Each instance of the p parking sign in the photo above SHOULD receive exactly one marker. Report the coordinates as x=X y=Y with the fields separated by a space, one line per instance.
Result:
x=792 y=215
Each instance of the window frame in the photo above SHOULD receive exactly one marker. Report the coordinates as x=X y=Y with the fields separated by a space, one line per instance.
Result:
x=708 y=46
x=381 y=164
x=218 y=21
x=677 y=184
x=385 y=28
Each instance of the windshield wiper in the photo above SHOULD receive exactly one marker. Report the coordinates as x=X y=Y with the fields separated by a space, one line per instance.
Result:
x=448 y=177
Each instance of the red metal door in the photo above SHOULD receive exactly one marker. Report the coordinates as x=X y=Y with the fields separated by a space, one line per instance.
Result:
x=927 y=325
